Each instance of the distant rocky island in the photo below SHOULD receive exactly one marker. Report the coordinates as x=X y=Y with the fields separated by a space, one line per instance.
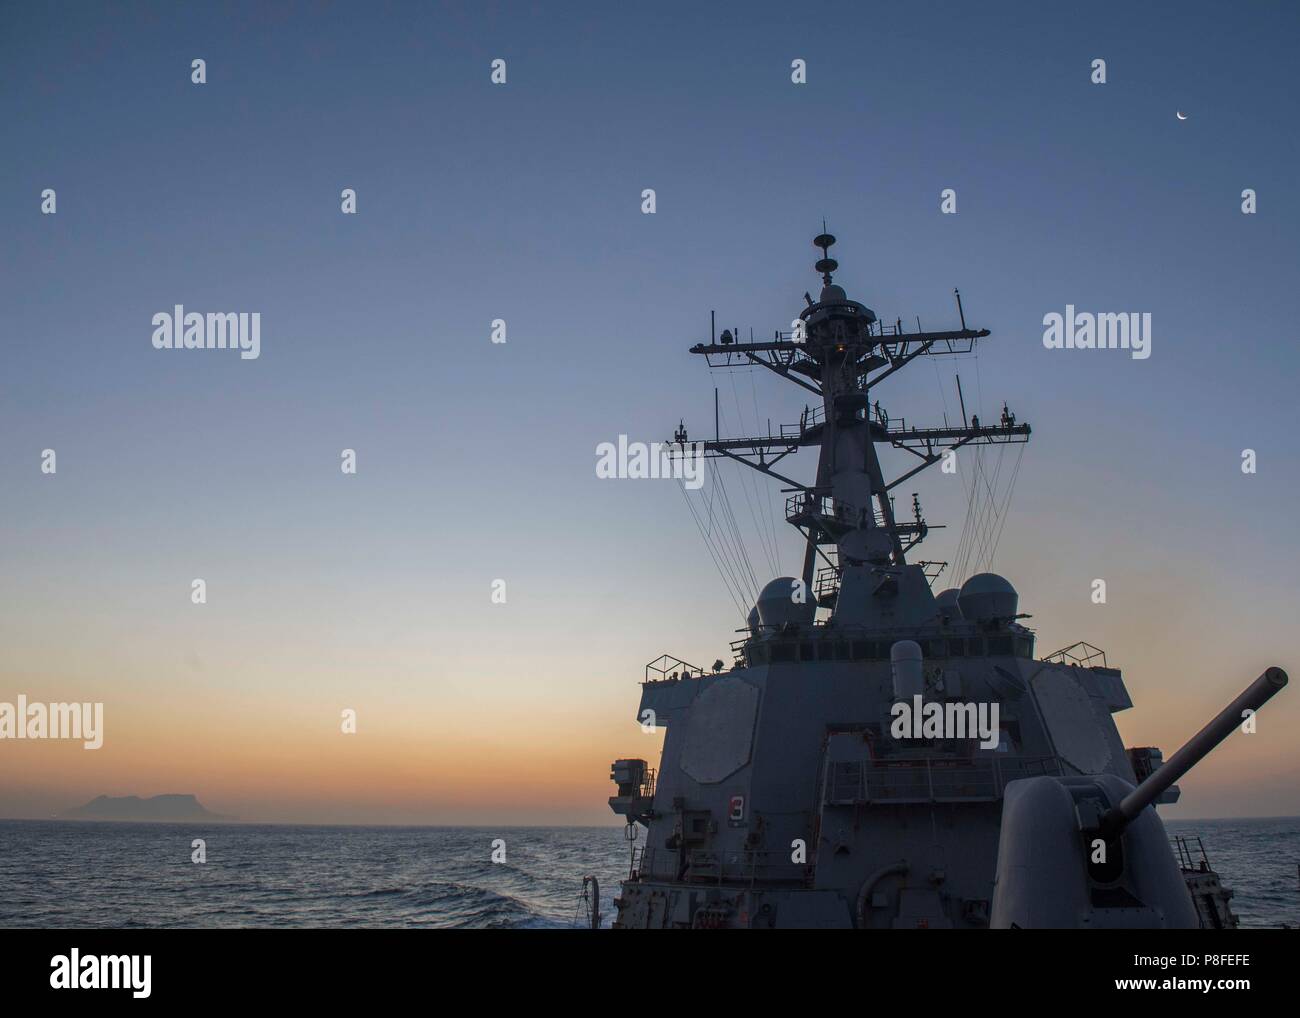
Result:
x=132 y=807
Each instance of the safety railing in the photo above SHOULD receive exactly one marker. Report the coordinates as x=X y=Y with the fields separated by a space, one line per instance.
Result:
x=1191 y=859
x=928 y=779
x=666 y=668
x=740 y=867
x=801 y=508
x=1082 y=655
x=827 y=584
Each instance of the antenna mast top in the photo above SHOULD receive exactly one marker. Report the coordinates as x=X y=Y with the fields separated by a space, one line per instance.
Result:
x=826 y=264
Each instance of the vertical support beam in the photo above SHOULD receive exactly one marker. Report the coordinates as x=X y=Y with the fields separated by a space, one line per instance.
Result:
x=881 y=494
x=810 y=559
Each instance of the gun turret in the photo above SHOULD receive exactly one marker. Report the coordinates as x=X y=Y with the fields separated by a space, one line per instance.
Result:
x=1084 y=850
x=1254 y=696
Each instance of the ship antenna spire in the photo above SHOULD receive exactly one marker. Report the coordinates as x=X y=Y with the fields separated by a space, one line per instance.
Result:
x=826 y=264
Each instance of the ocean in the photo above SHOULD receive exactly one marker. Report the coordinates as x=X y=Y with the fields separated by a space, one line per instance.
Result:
x=85 y=874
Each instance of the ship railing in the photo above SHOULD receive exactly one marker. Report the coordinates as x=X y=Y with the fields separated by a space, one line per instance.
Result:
x=928 y=779
x=836 y=641
x=636 y=865
x=812 y=417
x=802 y=507
x=881 y=416
x=738 y=658
x=755 y=632
x=826 y=586
x=1191 y=858
x=1081 y=654
x=742 y=866
x=666 y=668
x=893 y=331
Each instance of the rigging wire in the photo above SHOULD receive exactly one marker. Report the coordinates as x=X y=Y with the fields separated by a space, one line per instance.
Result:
x=988 y=506
x=963 y=545
x=733 y=529
x=988 y=487
x=973 y=525
x=717 y=518
x=767 y=502
x=750 y=485
x=730 y=549
x=983 y=499
x=720 y=524
x=987 y=518
x=708 y=544
x=1011 y=487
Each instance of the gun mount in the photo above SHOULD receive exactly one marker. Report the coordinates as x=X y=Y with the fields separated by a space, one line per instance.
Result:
x=1083 y=851
x=1193 y=752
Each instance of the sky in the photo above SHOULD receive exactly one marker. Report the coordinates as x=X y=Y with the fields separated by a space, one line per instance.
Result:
x=522 y=202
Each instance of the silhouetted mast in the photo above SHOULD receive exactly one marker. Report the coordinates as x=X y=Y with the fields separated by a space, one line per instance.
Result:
x=840 y=353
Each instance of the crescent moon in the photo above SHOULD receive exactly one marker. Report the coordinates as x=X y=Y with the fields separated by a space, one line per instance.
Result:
x=1180 y=115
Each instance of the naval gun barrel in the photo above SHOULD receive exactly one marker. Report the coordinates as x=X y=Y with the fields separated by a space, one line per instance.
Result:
x=1193 y=752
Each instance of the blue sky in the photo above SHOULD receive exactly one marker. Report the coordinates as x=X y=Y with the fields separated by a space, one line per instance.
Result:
x=522 y=202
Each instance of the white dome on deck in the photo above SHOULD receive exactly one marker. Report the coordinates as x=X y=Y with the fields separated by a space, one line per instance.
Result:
x=777 y=605
x=988 y=596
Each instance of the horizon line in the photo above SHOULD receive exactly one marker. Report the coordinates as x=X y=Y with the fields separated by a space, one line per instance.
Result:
x=289 y=823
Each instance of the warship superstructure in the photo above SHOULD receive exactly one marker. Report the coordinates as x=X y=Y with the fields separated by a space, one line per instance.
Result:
x=786 y=795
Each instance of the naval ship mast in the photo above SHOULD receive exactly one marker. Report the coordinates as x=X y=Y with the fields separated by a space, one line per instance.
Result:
x=840 y=352
x=788 y=797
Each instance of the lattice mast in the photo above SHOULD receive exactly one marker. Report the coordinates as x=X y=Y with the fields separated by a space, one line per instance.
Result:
x=840 y=352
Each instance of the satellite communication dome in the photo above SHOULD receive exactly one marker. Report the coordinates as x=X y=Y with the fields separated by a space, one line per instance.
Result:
x=833 y=293
x=752 y=619
x=947 y=602
x=987 y=596
x=777 y=606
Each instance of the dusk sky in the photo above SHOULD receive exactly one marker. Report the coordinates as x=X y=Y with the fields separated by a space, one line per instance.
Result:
x=476 y=461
